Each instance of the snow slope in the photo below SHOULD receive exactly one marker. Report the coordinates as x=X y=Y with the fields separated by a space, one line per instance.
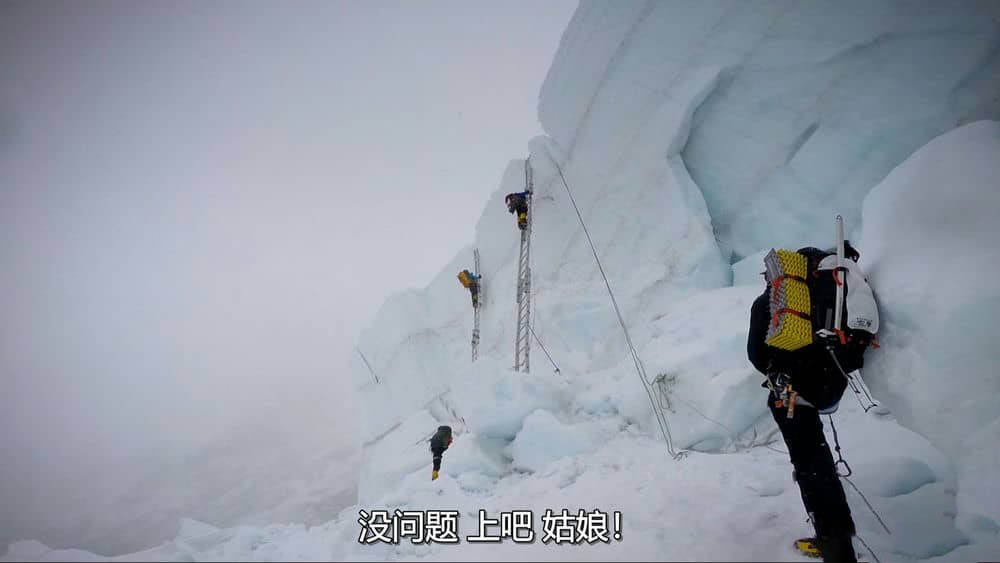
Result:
x=638 y=108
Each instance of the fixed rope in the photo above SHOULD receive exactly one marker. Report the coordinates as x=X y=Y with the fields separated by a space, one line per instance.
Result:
x=640 y=369
x=542 y=346
x=365 y=360
x=840 y=459
x=870 y=550
x=870 y=507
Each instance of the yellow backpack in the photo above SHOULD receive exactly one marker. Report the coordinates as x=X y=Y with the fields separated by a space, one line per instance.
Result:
x=791 y=325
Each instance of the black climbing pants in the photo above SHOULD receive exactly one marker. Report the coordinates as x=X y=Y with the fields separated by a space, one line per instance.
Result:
x=816 y=475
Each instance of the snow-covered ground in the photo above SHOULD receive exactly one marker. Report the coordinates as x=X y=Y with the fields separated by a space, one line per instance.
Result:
x=832 y=101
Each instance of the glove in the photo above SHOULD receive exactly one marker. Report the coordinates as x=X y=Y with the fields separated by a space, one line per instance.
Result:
x=434 y=475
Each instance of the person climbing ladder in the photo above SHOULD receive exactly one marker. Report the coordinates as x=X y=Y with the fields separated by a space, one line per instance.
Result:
x=470 y=281
x=518 y=203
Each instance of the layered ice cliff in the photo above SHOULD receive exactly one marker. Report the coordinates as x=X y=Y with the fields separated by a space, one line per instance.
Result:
x=815 y=102
x=694 y=136
x=691 y=135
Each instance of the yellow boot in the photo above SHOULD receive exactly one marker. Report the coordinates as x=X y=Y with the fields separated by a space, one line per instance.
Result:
x=434 y=475
x=808 y=547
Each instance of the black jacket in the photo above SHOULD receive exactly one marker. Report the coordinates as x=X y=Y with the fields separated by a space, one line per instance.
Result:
x=439 y=443
x=441 y=440
x=517 y=202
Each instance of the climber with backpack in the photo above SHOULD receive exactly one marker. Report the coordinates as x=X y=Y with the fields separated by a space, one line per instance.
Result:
x=470 y=281
x=806 y=348
x=518 y=203
x=439 y=443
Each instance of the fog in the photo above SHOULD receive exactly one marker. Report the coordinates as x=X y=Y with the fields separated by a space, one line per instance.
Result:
x=202 y=204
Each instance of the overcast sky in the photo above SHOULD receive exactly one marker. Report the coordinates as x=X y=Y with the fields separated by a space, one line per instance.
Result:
x=202 y=203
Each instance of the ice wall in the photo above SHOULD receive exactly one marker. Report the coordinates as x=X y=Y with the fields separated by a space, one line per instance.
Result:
x=930 y=243
x=690 y=135
x=816 y=101
x=651 y=229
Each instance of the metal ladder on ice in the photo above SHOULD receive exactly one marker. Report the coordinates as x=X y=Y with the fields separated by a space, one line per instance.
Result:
x=522 y=342
x=479 y=304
